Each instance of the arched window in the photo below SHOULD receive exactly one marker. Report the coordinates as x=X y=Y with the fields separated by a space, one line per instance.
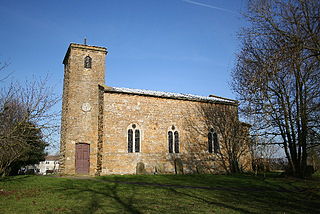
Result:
x=210 y=142
x=173 y=140
x=176 y=142
x=137 y=140
x=213 y=143
x=170 y=139
x=130 y=140
x=87 y=62
x=216 y=146
x=133 y=139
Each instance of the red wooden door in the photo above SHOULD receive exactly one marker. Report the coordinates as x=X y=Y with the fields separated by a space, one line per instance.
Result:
x=82 y=158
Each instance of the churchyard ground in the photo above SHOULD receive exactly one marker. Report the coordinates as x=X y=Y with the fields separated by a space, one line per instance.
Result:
x=160 y=194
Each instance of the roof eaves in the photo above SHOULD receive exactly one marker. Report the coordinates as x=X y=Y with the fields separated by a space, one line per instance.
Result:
x=168 y=95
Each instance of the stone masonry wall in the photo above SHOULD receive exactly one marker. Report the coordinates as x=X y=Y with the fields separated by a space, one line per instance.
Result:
x=155 y=116
x=93 y=115
x=80 y=104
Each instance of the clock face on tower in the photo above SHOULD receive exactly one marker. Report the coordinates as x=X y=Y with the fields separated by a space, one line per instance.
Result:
x=86 y=107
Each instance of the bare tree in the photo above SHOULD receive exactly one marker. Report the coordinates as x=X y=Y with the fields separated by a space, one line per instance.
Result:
x=277 y=75
x=3 y=74
x=265 y=155
x=26 y=119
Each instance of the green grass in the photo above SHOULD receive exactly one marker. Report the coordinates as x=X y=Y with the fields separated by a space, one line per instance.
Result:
x=160 y=194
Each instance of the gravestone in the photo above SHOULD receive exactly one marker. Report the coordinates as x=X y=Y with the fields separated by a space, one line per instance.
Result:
x=178 y=165
x=140 y=169
x=200 y=169
x=159 y=169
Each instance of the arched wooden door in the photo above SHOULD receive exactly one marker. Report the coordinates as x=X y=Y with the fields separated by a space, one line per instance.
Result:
x=82 y=158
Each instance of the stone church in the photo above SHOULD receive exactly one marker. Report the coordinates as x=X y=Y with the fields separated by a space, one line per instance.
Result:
x=111 y=130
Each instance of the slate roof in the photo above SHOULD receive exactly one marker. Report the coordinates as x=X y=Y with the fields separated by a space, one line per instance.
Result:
x=170 y=95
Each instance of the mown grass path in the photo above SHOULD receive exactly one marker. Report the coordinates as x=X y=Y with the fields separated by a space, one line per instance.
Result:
x=159 y=194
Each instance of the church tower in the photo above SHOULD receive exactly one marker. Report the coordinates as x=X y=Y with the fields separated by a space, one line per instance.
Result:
x=84 y=71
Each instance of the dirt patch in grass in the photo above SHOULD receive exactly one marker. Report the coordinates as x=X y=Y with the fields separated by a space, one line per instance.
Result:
x=27 y=193
x=7 y=193
x=19 y=194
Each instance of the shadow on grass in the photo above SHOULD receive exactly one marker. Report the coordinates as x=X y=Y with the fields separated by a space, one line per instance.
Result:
x=211 y=202
x=171 y=194
x=15 y=178
x=240 y=193
x=96 y=197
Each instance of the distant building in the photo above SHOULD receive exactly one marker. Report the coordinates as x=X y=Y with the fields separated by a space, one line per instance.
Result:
x=49 y=165
x=29 y=170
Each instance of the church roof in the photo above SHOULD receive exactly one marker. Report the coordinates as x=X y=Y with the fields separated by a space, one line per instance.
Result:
x=170 y=95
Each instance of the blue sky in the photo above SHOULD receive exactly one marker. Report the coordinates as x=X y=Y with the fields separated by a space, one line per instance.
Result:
x=184 y=46
x=167 y=45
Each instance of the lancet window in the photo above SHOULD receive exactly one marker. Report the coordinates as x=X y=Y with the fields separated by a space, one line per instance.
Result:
x=87 y=62
x=133 y=139
x=213 y=143
x=173 y=140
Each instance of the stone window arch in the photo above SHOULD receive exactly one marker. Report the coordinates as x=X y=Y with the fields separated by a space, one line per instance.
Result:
x=213 y=142
x=87 y=62
x=173 y=140
x=134 y=138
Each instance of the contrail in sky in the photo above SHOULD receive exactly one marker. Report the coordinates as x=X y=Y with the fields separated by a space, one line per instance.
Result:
x=209 y=6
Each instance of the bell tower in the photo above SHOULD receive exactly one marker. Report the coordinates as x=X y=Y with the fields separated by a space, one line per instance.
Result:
x=84 y=71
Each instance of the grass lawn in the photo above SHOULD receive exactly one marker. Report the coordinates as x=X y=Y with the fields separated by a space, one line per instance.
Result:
x=159 y=194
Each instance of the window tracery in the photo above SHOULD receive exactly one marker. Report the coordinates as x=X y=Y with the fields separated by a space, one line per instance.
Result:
x=213 y=143
x=173 y=140
x=133 y=139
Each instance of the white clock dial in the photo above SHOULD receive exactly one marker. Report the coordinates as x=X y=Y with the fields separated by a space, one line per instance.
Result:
x=86 y=107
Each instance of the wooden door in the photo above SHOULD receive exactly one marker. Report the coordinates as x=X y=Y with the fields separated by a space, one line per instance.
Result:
x=82 y=158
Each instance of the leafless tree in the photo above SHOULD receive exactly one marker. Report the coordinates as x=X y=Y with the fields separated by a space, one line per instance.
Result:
x=3 y=73
x=25 y=111
x=264 y=153
x=277 y=75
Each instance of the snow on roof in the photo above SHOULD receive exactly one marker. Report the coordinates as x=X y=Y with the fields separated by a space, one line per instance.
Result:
x=171 y=95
